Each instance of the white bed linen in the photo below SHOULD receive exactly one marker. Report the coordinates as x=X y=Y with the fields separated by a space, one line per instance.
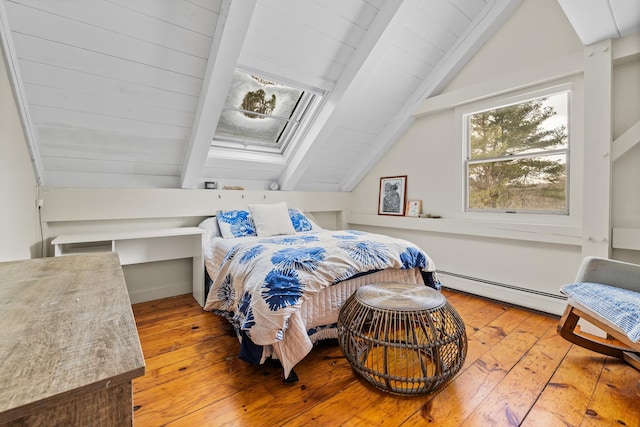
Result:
x=319 y=308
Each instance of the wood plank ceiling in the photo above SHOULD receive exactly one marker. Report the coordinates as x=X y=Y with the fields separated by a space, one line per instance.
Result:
x=127 y=93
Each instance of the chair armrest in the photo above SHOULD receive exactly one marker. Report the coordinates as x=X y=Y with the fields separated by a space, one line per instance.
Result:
x=610 y=272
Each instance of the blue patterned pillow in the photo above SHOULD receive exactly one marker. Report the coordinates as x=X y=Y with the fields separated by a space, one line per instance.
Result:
x=235 y=223
x=299 y=220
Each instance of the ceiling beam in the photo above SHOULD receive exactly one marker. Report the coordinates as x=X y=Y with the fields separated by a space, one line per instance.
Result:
x=327 y=118
x=13 y=70
x=231 y=30
x=484 y=26
x=592 y=20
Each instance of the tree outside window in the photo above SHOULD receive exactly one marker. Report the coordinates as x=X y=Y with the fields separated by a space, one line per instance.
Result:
x=517 y=157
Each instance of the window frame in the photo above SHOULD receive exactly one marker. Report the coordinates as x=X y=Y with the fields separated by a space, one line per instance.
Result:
x=462 y=117
x=301 y=117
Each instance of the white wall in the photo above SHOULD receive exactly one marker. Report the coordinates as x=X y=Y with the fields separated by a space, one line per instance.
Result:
x=19 y=235
x=507 y=250
x=103 y=210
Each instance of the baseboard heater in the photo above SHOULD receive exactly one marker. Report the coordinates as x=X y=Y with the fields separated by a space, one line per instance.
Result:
x=525 y=297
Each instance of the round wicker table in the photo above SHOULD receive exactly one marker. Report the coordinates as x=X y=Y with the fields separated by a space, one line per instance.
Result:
x=402 y=338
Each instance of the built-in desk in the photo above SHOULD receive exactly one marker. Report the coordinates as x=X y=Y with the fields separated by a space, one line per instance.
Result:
x=69 y=347
x=141 y=246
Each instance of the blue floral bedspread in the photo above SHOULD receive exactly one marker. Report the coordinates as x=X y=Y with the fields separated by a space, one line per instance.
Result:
x=262 y=281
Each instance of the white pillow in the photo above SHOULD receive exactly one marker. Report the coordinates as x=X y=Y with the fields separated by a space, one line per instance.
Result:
x=271 y=219
x=210 y=225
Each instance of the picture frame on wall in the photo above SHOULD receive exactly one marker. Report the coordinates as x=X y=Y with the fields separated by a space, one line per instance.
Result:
x=414 y=208
x=392 y=195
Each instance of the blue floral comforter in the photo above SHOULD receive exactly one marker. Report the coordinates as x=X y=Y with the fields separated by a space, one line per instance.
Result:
x=261 y=282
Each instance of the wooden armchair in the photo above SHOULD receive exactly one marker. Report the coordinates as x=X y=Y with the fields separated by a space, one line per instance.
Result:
x=606 y=293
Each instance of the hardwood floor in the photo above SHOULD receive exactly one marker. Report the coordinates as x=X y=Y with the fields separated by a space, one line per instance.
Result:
x=518 y=371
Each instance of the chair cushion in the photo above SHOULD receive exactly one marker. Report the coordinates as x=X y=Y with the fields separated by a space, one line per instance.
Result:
x=619 y=306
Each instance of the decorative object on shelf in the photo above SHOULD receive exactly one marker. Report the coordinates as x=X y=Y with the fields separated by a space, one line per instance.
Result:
x=210 y=185
x=428 y=215
x=233 y=187
x=274 y=186
x=392 y=195
x=414 y=208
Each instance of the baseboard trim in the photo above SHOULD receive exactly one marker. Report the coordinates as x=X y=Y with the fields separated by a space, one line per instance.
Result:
x=529 y=298
x=159 y=293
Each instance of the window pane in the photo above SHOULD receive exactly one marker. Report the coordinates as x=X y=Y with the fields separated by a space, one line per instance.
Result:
x=534 y=183
x=236 y=124
x=528 y=127
x=271 y=102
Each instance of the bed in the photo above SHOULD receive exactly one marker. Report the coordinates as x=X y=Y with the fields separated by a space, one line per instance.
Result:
x=280 y=279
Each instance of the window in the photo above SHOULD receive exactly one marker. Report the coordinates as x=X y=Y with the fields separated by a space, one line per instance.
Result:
x=261 y=114
x=516 y=156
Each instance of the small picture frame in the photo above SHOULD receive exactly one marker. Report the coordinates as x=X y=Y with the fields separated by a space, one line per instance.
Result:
x=392 y=195
x=414 y=208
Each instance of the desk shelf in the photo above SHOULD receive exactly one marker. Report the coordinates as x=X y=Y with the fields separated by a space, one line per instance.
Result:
x=142 y=246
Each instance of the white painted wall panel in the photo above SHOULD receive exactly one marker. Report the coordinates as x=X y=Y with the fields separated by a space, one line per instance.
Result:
x=471 y=8
x=457 y=22
x=64 y=142
x=196 y=16
x=78 y=81
x=18 y=191
x=110 y=180
x=52 y=116
x=120 y=20
x=322 y=19
x=327 y=48
x=29 y=48
x=84 y=36
x=89 y=166
x=67 y=100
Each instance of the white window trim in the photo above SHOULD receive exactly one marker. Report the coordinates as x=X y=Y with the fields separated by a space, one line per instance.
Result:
x=459 y=171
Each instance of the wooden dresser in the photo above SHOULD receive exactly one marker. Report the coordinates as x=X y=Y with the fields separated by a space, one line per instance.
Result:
x=69 y=347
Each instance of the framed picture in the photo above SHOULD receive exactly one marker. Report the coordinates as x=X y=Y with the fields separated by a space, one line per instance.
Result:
x=414 y=207
x=392 y=195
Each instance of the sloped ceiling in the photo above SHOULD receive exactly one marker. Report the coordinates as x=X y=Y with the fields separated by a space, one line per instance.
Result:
x=127 y=93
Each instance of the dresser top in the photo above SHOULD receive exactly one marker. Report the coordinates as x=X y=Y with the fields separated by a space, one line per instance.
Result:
x=67 y=328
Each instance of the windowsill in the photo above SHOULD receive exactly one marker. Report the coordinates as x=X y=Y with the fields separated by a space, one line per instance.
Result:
x=557 y=234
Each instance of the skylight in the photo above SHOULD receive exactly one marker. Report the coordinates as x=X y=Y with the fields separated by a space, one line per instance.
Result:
x=261 y=114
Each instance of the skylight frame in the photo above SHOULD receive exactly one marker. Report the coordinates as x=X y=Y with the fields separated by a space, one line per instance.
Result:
x=305 y=109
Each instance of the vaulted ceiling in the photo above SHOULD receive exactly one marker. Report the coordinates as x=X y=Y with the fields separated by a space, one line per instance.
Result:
x=127 y=93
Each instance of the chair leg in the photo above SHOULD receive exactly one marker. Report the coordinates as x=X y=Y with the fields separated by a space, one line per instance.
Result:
x=566 y=329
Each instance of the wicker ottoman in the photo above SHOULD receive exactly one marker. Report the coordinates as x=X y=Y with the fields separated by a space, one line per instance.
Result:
x=403 y=339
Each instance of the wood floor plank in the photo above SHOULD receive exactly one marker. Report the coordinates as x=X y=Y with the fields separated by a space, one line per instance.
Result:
x=173 y=339
x=469 y=389
x=574 y=381
x=340 y=408
x=198 y=389
x=481 y=340
x=614 y=401
x=478 y=316
x=230 y=411
x=514 y=360
x=509 y=402
x=168 y=366
x=151 y=309
x=294 y=401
